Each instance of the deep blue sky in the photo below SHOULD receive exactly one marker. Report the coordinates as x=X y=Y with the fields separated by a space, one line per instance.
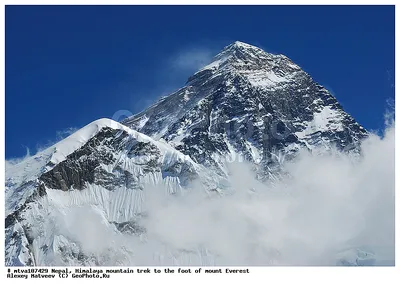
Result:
x=69 y=65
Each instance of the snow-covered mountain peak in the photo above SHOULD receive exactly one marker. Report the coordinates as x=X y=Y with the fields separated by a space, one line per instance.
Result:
x=252 y=63
x=239 y=44
x=60 y=150
x=235 y=53
x=105 y=166
x=100 y=139
x=240 y=47
x=250 y=102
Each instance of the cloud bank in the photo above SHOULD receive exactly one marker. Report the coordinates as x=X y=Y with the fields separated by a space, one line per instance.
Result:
x=329 y=205
x=331 y=209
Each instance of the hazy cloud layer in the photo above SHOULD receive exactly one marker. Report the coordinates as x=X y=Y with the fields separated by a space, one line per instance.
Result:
x=331 y=207
x=191 y=59
x=60 y=135
x=329 y=204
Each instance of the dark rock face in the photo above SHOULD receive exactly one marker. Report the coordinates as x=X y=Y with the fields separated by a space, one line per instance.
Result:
x=250 y=100
x=84 y=166
x=130 y=227
x=114 y=159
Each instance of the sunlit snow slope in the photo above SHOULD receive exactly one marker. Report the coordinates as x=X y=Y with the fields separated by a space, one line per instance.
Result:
x=104 y=166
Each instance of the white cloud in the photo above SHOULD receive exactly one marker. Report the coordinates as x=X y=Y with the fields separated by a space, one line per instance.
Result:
x=60 y=135
x=65 y=133
x=13 y=161
x=191 y=59
x=307 y=218
x=171 y=75
x=327 y=205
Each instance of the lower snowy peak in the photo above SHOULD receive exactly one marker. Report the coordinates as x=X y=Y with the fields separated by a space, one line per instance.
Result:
x=105 y=168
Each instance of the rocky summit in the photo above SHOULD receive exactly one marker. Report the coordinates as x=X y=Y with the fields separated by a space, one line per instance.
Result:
x=252 y=103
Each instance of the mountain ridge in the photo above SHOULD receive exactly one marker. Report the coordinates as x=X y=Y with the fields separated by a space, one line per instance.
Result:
x=276 y=92
x=245 y=106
